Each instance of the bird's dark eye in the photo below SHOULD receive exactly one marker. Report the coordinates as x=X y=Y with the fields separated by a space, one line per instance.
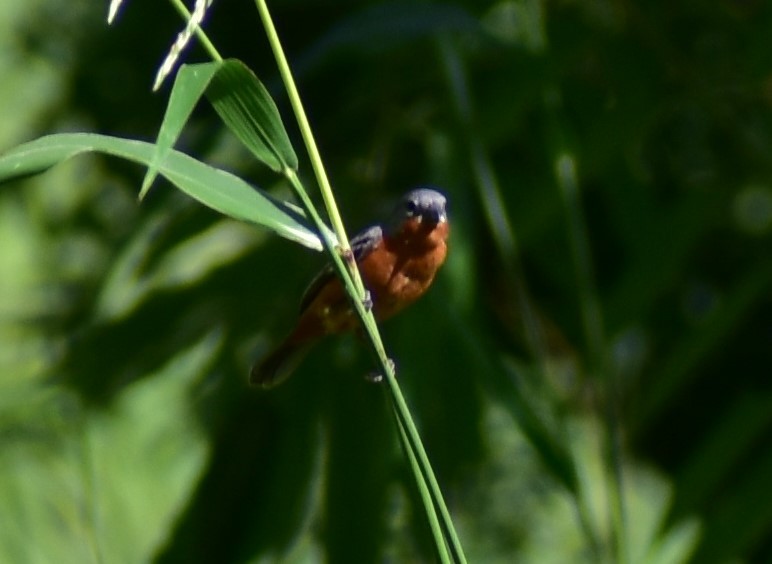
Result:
x=411 y=207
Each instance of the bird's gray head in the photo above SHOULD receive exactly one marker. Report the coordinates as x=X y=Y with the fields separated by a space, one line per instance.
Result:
x=425 y=204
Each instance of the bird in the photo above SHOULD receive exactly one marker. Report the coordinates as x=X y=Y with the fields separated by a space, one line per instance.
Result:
x=398 y=261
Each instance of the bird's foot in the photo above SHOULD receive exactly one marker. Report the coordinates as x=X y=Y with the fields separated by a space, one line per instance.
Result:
x=376 y=377
x=367 y=301
x=347 y=254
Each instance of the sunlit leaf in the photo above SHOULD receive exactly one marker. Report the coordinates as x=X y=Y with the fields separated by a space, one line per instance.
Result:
x=215 y=188
x=104 y=485
x=248 y=110
x=189 y=85
x=242 y=102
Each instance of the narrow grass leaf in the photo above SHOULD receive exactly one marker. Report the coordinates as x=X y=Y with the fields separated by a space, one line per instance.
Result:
x=248 y=110
x=423 y=490
x=189 y=86
x=217 y=189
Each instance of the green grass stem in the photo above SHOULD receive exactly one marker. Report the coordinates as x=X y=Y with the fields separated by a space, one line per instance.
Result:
x=592 y=319
x=505 y=240
x=422 y=471
x=200 y=33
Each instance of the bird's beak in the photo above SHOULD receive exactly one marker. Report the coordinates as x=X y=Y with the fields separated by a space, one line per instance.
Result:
x=434 y=217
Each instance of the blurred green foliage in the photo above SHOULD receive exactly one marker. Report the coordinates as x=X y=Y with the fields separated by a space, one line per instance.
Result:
x=633 y=313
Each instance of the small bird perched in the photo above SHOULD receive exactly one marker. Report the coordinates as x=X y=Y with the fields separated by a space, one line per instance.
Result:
x=398 y=262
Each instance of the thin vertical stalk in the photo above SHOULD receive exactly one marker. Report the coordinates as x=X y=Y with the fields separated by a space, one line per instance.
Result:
x=415 y=465
x=308 y=139
x=505 y=240
x=351 y=277
x=592 y=320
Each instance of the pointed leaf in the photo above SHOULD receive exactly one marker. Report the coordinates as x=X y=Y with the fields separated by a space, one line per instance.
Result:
x=212 y=187
x=248 y=110
x=189 y=86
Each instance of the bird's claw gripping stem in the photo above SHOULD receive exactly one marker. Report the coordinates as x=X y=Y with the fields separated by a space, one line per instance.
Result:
x=367 y=301
x=376 y=377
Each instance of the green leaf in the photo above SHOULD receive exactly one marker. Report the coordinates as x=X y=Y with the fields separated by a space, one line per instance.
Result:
x=242 y=102
x=104 y=484
x=189 y=85
x=132 y=279
x=217 y=189
x=248 y=110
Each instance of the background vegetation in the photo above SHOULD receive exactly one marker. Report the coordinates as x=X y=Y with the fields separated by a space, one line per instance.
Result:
x=590 y=373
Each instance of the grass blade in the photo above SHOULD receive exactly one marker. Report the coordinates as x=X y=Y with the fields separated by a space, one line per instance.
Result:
x=248 y=110
x=217 y=189
x=189 y=86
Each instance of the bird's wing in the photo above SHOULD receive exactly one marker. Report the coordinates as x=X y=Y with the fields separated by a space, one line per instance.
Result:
x=361 y=245
x=365 y=241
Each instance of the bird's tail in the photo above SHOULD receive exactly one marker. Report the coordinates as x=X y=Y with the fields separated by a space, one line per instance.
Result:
x=278 y=365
